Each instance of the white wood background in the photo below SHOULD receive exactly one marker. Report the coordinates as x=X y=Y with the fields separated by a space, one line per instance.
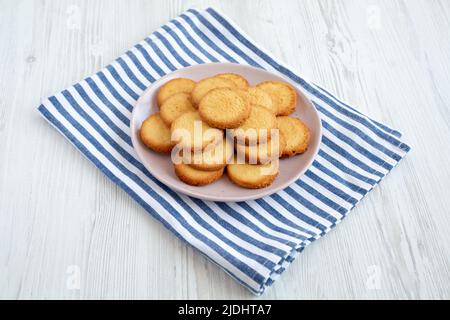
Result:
x=66 y=231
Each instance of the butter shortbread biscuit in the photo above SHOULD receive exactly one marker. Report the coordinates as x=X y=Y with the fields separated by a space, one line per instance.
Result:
x=195 y=177
x=204 y=86
x=257 y=126
x=262 y=153
x=240 y=81
x=261 y=98
x=175 y=106
x=155 y=134
x=252 y=176
x=174 y=86
x=212 y=157
x=190 y=132
x=296 y=134
x=283 y=96
x=224 y=108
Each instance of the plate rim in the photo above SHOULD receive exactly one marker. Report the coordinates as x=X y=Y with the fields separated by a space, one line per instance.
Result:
x=223 y=198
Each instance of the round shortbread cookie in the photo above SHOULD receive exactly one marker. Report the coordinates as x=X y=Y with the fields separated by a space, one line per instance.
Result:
x=257 y=126
x=262 y=152
x=195 y=177
x=175 y=106
x=224 y=108
x=211 y=158
x=253 y=176
x=188 y=131
x=155 y=134
x=204 y=86
x=283 y=96
x=238 y=80
x=174 y=86
x=296 y=134
x=261 y=98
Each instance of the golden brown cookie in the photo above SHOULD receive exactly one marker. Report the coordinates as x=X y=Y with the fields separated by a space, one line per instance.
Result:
x=238 y=80
x=262 y=152
x=204 y=86
x=253 y=176
x=175 y=106
x=155 y=134
x=296 y=134
x=195 y=177
x=212 y=157
x=257 y=126
x=261 y=98
x=224 y=108
x=190 y=132
x=174 y=86
x=283 y=96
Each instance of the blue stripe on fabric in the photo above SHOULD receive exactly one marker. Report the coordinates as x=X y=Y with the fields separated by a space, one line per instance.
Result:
x=124 y=186
x=182 y=45
x=297 y=213
x=122 y=83
x=308 y=204
x=140 y=67
x=222 y=38
x=282 y=218
x=339 y=179
x=149 y=59
x=253 y=274
x=160 y=54
x=207 y=39
x=91 y=83
x=301 y=81
x=359 y=132
x=379 y=124
x=269 y=224
x=338 y=192
x=341 y=151
x=345 y=169
x=131 y=75
x=112 y=90
x=172 y=51
x=333 y=205
x=193 y=41
x=125 y=137
x=356 y=146
x=229 y=227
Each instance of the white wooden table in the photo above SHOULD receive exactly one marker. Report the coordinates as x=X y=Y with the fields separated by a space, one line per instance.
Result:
x=66 y=231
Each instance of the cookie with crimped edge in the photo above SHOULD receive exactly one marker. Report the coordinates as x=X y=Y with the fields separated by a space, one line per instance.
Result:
x=253 y=176
x=175 y=106
x=261 y=98
x=189 y=132
x=262 y=153
x=195 y=177
x=155 y=134
x=172 y=87
x=283 y=96
x=257 y=126
x=224 y=108
x=204 y=86
x=212 y=157
x=296 y=133
x=239 y=80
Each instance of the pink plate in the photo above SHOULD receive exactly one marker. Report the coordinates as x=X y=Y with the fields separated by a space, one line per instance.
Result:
x=161 y=167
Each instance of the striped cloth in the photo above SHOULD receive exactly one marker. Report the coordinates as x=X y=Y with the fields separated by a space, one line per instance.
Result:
x=253 y=241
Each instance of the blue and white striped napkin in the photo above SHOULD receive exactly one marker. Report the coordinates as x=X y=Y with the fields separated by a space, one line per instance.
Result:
x=253 y=241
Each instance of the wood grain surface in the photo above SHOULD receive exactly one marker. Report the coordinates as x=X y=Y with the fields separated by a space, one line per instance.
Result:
x=67 y=232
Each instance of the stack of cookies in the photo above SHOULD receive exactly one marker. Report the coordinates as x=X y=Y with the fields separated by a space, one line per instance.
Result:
x=222 y=123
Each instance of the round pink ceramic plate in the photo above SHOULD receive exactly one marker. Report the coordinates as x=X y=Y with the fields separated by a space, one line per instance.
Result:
x=161 y=167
